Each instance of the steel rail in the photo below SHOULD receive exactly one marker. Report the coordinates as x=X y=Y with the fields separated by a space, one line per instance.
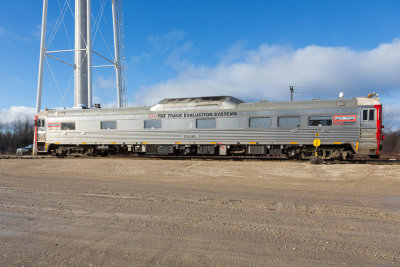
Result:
x=215 y=158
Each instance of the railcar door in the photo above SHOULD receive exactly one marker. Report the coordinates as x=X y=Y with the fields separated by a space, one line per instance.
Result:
x=41 y=134
x=368 y=130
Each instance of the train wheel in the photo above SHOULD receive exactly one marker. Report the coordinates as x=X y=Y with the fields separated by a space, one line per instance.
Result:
x=61 y=152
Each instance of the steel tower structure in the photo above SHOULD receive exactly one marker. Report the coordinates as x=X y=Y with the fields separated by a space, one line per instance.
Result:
x=82 y=62
x=83 y=54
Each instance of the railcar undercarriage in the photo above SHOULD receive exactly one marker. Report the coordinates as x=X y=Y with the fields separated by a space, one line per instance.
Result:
x=342 y=152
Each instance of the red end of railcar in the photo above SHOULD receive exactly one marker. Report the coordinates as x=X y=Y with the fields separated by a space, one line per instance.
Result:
x=379 y=127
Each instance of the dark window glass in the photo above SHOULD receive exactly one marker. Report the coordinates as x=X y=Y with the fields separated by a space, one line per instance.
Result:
x=68 y=126
x=320 y=121
x=371 y=115
x=289 y=122
x=152 y=124
x=40 y=123
x=365 y=114
x=206 y=123
x=108 y=125
x=260 y=122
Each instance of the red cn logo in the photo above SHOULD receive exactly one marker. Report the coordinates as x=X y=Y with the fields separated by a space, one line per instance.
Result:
x=152 y=116
x=340 y=119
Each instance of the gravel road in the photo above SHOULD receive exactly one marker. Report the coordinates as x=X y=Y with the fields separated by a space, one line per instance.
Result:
x=132 y=212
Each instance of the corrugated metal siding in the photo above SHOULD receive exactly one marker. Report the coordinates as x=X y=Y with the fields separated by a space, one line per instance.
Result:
x=229 y=130
x=270 y=136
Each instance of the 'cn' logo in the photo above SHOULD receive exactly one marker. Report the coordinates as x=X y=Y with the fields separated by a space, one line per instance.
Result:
x=152 y=116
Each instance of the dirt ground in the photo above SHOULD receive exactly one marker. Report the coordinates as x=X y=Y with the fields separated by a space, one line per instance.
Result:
x=131 y=212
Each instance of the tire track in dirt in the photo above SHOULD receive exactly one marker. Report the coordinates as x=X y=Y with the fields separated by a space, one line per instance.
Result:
x=193 y=213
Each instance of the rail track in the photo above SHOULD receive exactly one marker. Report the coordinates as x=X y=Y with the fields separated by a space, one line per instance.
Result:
x=23 y=157
x=391 y=161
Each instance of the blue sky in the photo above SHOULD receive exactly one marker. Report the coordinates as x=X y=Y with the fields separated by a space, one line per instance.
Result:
x=251 y=49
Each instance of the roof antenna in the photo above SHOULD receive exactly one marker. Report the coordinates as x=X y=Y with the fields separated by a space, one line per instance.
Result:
x=291 y=92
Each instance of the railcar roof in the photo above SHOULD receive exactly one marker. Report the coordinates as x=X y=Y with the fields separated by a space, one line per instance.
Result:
x=302 y=105
x=220 y=102
x=197 y=103
x=201 y=100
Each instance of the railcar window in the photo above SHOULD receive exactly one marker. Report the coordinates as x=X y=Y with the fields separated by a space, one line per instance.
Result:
x=67 y=126
x=365 y=114
x=289 y=122
x=108 y=125
x=206 y=123
x=260 y=122
x=40 y=123
x=320 y=121
x=369 y=114
x=152 y=124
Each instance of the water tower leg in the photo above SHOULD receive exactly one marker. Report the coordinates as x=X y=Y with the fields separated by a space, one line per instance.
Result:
x=81 y=60
x=116 y=49
x=89 y=52
x=41 y=63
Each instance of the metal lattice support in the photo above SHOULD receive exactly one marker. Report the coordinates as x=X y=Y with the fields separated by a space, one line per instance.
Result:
x=122 y=55
x=119 y=52
x=83 y=50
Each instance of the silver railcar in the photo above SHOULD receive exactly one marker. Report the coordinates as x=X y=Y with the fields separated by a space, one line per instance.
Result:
x=220 y=125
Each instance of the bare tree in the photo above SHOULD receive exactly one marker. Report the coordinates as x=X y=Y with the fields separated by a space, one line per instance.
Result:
x=391 y=144
x=16 y=134
x=388 y=121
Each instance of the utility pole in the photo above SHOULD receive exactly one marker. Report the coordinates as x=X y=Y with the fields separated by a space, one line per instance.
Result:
x=291 y=93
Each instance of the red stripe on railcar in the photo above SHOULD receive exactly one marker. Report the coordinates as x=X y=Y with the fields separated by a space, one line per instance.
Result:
x=379 y=135
x=36 y=133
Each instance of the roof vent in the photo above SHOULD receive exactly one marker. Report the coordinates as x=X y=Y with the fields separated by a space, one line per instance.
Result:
x=193 y=103
x=373 y=94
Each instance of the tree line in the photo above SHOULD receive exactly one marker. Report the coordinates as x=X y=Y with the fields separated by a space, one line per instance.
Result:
x=20 y=133
x=391 y=144
x=13 y=135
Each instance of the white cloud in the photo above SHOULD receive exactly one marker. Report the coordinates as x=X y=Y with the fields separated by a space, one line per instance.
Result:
x=104 y=83
x=105 y=91
x=266 y=73
x=10 y=34
x=176 y=57
x=172 y=47
x=167 y=41
x=143 y=56
x=37 y=31
x=16 y=112
x=19 y=81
